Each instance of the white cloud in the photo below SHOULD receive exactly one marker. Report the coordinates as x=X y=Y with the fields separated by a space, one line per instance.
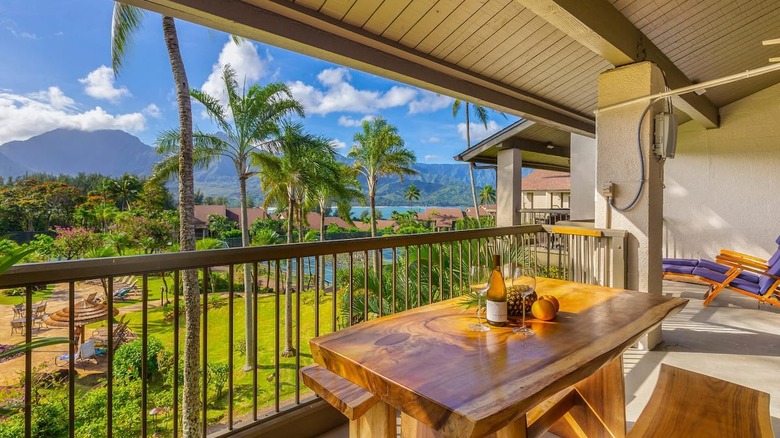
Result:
x=152 y=110
x=338 y=144
x=22 y=117
x=429 y=102
x=432 y=140
x=349 y=122
x=99 y=84
x=478 y=130
x=431 y=157
x=22 y=34
x=338 y=95
x=54 y=97
x=246 y=62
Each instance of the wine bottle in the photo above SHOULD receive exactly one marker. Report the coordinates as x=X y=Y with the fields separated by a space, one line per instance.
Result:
x=496 y=295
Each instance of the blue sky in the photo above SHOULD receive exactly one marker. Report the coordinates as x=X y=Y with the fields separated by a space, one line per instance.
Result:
x=56 y=73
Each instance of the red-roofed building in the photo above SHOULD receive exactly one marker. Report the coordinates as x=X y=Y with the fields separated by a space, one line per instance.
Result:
x=442 y=218
x=546 y=189
x=202 y=213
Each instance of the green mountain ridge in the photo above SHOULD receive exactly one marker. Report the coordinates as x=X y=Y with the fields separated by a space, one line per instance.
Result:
x=114 y=152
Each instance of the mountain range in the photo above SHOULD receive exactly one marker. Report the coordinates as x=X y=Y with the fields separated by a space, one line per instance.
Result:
x=114 y=153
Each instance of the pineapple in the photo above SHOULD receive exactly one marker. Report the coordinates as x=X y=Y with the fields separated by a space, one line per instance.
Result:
x=514 y=300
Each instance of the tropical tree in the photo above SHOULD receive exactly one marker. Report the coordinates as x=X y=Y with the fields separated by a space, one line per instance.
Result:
x=481 y=113
x=380 y=152
x=412 y=193
x=487 y=195
x=302 y=160
x=256 y=114
x=338 y=185
x=126 y=189
x=126 y=20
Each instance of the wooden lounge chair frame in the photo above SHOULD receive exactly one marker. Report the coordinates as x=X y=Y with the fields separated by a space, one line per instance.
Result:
x=739 y=265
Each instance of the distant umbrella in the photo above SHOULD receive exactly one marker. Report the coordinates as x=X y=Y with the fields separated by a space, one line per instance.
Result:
x=84 y=312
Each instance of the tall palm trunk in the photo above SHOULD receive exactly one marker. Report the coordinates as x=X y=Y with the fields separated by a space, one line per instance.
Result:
x=372 y=203
x=471 y=168
x=191 y=402
x=249 y=330
x=321 y=274
x=288 y=351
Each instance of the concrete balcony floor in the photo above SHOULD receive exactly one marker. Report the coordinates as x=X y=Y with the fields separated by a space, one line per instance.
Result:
x=733 y=339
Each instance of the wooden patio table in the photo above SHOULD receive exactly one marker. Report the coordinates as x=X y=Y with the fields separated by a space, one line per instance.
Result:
x=448 y=381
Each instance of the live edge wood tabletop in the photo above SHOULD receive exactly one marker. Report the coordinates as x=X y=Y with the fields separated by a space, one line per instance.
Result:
x=426 y=363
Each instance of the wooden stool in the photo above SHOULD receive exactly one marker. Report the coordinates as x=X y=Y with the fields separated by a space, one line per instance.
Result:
x=368 y=416
x=688 y=404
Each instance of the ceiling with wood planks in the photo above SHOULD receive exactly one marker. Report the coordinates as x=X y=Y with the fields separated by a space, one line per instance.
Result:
x=709 y=39
x=523 y=57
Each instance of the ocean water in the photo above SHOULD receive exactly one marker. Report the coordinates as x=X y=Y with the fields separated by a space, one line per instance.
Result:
x=386 y=211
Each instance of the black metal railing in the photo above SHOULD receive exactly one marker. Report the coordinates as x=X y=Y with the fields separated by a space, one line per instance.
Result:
x=303 y=290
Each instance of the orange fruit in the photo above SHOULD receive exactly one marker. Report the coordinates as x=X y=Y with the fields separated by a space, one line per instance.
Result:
x=543 y=309
x=553 y=300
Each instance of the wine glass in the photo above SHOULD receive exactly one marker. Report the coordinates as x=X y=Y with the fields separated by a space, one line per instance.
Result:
x=478 y=282
x=525 y=280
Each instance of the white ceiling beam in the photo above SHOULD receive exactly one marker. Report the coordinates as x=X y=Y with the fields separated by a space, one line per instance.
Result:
x=600 y=27
x=293 y=27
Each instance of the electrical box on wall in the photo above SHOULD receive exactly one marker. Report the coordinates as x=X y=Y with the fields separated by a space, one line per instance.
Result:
x=665 y=142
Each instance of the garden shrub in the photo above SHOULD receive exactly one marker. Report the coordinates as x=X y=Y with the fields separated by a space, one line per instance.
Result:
x=49 y=419
x=218 y=377
x=231 y=233
x=91 y=410
x=239 y=345
x=127 y=360
x=216 y=301
x=15 y=292
x=218 y=282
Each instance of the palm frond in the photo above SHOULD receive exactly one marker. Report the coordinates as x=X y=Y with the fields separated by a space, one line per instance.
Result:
x=125 y=21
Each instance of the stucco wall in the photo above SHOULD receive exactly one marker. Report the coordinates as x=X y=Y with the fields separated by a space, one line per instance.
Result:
x=723 y=187
x=583 y=177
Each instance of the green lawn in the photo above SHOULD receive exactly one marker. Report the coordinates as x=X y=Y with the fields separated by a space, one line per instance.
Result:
x=38 y=296
x=218 y=347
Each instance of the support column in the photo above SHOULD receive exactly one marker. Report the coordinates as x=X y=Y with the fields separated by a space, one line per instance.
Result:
x=618 y=164
x=509 y=190
x=583 y=178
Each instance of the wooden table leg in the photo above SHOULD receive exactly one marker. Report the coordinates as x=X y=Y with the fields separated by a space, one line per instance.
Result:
x=599 y=408
x=411 y=428
x=379 y=421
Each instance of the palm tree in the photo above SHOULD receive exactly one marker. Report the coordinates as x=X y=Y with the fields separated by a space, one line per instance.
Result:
x=125 y=189
x=125 y=21
x=380 y=152
x=256 y=114
x=339 y=185
x=487 y=195
x=301 y=161
x=482 y=116
x=412 y=193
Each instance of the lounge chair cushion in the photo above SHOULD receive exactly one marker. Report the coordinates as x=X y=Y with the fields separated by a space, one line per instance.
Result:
x=709 y=274
x=766 y=281
x=682 y=262
x=717 y=267
x=775 y=257
x=678 y=269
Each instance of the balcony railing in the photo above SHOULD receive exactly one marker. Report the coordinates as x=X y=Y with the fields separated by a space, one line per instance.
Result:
x=536 y=216
x=332 y=285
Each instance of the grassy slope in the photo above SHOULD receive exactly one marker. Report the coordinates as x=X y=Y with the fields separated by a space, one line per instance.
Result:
x=218 y=346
